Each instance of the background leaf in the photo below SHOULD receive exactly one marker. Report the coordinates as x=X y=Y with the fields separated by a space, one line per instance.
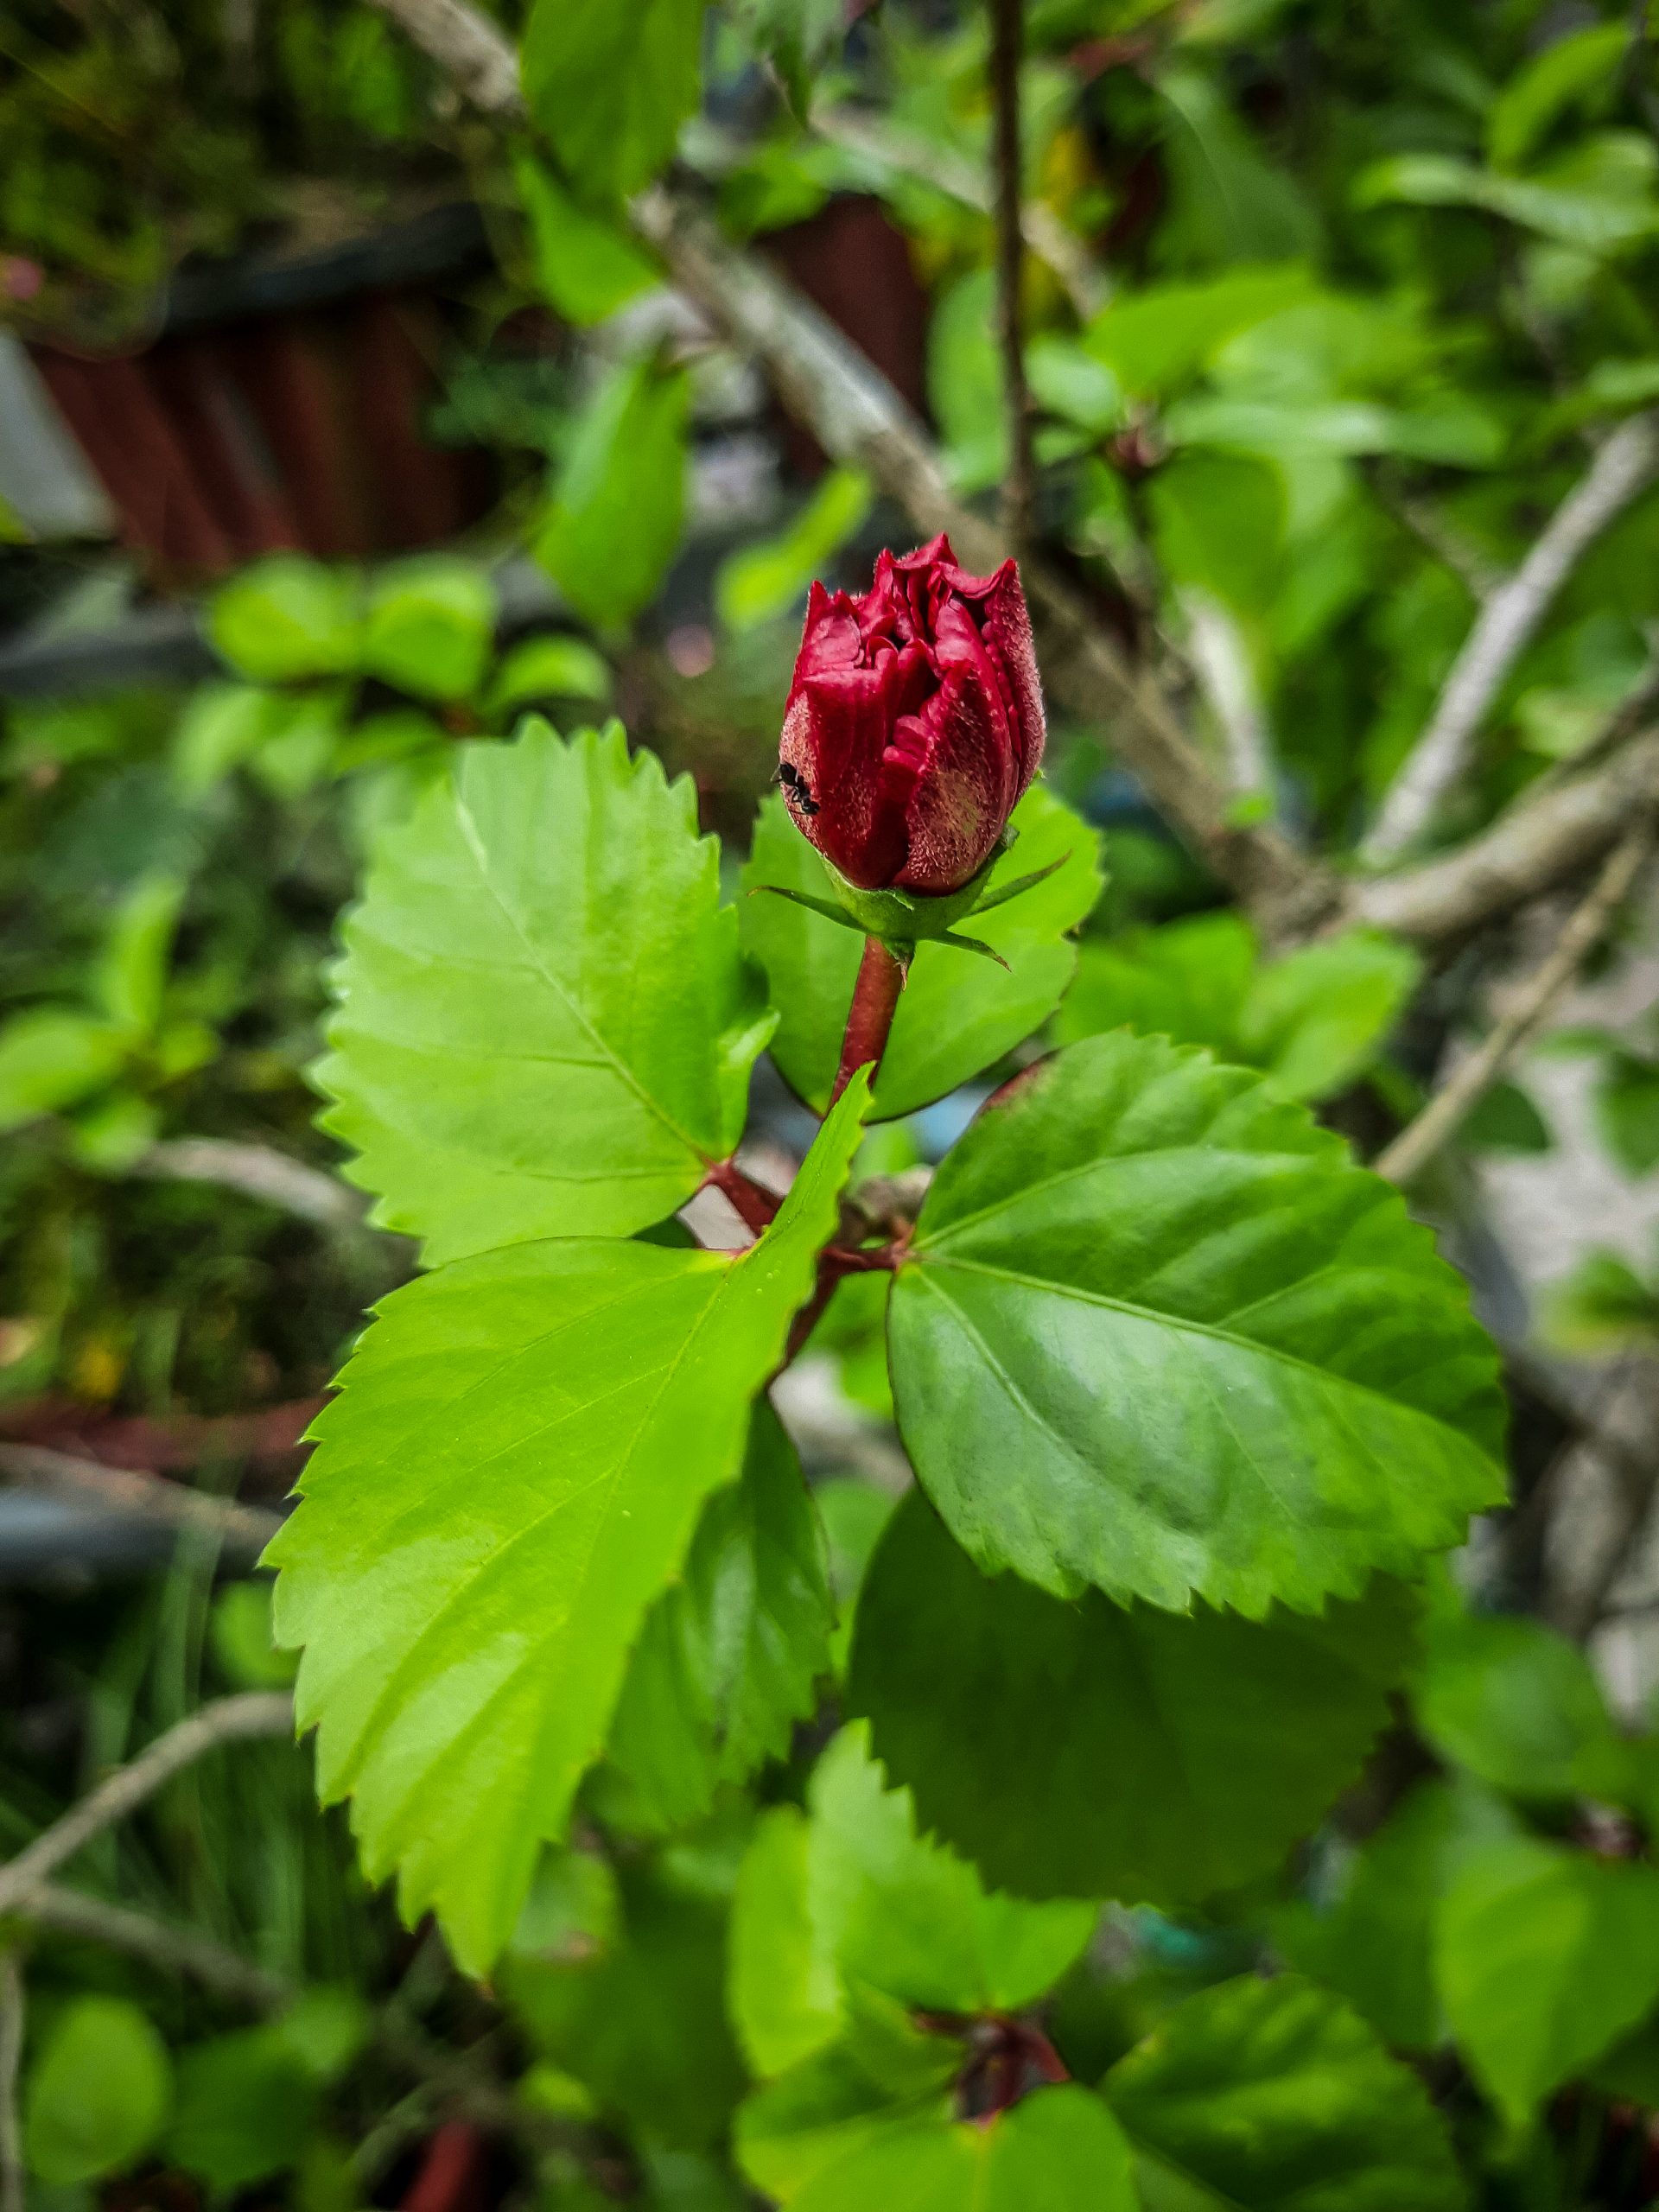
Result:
x=1544 y=1957
x=286 y=617
x=430 y=626
x=1272 y=2096
x=98 y=2092
x=1058 y=2150
x=729 y=1656
x=1156 y=1331
x=958 y=1015
x=1224 y=1739
x=511 y=1475
x=609 y=83
x=614 y=519
x=545 y=1023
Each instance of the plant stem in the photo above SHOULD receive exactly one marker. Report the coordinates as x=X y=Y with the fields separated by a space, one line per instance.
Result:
x=875 y=999
x=1018 y=492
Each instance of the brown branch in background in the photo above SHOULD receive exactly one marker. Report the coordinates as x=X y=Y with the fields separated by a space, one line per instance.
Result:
x=156 y=1943
x=228 y=1720
x=243 y=1531
x=1624 y=466
x=1019 y=486
x=1419 y=1141
x=12 y=2185
x=1534 y=845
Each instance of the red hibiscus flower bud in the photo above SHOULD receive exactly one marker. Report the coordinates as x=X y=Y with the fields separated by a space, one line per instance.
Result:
x=915 y=721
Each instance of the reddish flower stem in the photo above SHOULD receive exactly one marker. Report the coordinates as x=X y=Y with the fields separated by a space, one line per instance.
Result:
x=754 y=1206
x=870 y=1019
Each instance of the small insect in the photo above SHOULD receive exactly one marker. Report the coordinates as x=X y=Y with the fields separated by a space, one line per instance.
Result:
x=797 y=788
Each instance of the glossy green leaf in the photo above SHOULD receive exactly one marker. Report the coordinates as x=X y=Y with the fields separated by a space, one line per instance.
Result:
x=1058 y=2150
x=1518 y=1705
x=958 y=1015
x=287 y=618
x=1156 y=1331
x=729 y=1657
x=609 y=82
x=51 y=1057
x=1272 y=2096
x=1374 y=1947
x=585 y=263
x=613 y=521
x=545 y=1024
x=1545 y=1956
x=430 y=626
x=97 y=2093
x=1224 y=1739
x=511 y=1474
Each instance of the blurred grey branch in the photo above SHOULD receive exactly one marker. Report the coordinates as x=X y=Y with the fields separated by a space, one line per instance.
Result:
x=259 y=1172
x=227 y=1721
x=1529 y=1004
x=1623 y=467
x=243 y=1531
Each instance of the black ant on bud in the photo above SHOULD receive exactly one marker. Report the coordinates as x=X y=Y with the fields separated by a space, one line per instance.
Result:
x=797 y=789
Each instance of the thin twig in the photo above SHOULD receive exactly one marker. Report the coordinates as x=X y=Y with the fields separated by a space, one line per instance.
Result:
x=1624 y=465
x=1019 y=486
x=1534 y=845
x=242 y=1530
x=1417 y=1144
x=157 y=1943
x=1222 y=664
x=228 y=1720
x=13 y=2191
x=258 y=1171
x=908 y=154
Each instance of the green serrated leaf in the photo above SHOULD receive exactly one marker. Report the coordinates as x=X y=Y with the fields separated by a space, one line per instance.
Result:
x=1272 y=2096
x=545 y=1024
x=1156 y=1331
x=609 y=83
x=956 y=1016
x=512 y=1472
x=1225 y=1738
x=729 y=1656
x=1544 y=1957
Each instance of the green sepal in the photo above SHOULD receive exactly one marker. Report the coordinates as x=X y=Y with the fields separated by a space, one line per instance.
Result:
x=903 y=920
